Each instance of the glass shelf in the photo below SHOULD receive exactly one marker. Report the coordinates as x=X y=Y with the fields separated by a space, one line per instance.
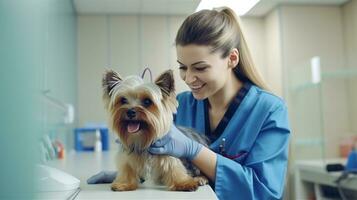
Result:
x=336 y=74
x=343 y=73
x=323 y=113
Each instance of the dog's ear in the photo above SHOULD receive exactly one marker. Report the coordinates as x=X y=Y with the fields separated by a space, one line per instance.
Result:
x=166 y=83
x=109 y=81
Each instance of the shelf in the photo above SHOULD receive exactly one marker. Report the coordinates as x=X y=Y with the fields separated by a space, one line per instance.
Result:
x=336 y=74
x=305 y=86
x=344 y=73
x=308 y=141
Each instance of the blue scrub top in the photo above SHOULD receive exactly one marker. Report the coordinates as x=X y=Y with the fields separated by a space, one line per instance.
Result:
x=251 y=147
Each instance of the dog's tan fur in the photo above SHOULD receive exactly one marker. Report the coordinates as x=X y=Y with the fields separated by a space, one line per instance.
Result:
x=155 y=120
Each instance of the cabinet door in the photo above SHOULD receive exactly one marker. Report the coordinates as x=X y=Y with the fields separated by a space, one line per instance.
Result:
x=92 y=60
x=124 y=44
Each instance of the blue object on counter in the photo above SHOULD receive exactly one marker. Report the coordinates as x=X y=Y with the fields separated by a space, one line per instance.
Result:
x=352 y=161
x=80 y=135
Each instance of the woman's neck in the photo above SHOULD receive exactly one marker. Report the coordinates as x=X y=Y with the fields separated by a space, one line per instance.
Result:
x=221 y=99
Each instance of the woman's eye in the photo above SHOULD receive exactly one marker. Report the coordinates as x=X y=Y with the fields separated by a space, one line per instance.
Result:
x=123 y=100
x=147 y=102
x=182 y=68
x=200 y=68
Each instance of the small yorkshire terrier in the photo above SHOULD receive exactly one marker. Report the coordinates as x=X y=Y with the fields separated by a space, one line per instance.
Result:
x=140 y=113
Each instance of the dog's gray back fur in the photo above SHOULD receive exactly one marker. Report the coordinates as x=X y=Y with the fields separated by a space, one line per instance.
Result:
x=190 y=133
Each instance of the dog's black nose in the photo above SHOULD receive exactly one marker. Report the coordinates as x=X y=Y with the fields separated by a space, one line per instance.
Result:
x=131 y=113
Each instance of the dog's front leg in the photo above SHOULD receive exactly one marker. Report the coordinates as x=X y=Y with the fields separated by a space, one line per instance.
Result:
x=175 y=176
x=126 y=180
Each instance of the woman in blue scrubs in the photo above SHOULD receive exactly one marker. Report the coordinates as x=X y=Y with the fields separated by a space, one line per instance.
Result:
x=229 y=102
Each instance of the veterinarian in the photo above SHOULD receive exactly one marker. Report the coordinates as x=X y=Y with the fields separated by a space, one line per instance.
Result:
x=229 y=103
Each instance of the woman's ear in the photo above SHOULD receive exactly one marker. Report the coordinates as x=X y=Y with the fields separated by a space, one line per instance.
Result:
x=233 y=58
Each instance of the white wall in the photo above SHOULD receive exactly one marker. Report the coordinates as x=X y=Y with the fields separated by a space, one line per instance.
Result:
x=255 y=34
x=350 y=35
x=124 y=47
x=273 y=52
x=92 y=60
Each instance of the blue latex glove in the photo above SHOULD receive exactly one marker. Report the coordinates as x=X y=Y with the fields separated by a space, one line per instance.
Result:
x=102 y=177
x=176 y=144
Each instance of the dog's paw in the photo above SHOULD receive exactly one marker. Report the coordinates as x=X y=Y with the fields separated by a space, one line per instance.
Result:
x=189 y=185
x=123 y=187
x=201 y=180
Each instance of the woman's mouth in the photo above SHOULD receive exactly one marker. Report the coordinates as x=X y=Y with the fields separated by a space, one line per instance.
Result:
x=197 y=88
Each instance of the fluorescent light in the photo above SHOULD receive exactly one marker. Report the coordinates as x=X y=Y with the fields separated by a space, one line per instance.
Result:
x=241 y=7
x=315 y=70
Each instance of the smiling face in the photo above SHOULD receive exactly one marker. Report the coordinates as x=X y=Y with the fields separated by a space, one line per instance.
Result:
x=206 y=73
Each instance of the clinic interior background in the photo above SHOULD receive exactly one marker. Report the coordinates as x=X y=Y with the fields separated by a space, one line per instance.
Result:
x=72 y=43
x=282 y=43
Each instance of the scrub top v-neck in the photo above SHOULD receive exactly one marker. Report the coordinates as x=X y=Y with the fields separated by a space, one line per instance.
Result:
x=215 y=134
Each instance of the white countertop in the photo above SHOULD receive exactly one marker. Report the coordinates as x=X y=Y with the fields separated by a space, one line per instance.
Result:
x=82 y=165
x=315 y=171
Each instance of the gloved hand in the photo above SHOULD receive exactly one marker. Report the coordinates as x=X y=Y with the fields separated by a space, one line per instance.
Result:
x=176 y=144
x=102 y=177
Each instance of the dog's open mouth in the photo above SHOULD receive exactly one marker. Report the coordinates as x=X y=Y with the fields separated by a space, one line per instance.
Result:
x=133 y=126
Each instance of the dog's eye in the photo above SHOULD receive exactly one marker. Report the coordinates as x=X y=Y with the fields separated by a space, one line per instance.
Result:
x=147 y=102
x=123 y=100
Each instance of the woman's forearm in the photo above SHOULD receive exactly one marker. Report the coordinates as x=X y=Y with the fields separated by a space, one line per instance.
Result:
x=206 y=161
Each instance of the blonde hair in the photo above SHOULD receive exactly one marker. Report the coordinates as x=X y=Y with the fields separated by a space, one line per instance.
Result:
x=220 y=29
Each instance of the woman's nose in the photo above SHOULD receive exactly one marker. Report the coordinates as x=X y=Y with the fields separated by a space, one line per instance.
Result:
x=190 y=77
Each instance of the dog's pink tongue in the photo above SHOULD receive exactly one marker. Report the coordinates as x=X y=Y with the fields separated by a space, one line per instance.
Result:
x=133 y=127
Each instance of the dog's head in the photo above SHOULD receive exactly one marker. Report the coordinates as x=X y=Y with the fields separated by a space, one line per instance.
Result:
x=139 y=112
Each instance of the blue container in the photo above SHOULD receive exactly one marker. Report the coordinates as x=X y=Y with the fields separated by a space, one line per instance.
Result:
x=83 y=135
x=352 y=161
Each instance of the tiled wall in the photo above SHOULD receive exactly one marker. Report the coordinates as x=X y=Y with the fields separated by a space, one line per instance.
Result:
x=37 y=52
